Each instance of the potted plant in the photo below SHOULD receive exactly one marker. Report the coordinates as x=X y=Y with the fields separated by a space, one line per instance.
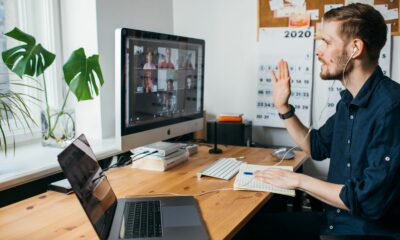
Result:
x=13 y=109
x=82 y=75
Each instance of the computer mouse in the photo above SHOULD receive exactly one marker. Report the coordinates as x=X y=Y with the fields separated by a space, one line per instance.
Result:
x=283 y=153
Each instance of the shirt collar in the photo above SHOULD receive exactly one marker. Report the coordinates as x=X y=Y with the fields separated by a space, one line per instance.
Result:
x=363 y=96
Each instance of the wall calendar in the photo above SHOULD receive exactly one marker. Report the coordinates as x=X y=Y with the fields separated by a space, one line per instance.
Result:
x=296 y=46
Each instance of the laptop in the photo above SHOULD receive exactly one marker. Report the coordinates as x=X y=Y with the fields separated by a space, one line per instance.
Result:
x=128 y=218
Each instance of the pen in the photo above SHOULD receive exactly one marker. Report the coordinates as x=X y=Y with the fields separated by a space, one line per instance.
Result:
x=247 y=173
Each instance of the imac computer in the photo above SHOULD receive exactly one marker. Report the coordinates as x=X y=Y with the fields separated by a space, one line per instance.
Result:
x=159 y=86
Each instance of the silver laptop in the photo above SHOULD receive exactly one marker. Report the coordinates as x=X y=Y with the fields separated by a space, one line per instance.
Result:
x=128 y=218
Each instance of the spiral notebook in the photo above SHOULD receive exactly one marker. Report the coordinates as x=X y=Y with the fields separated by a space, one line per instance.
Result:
x=249 y=183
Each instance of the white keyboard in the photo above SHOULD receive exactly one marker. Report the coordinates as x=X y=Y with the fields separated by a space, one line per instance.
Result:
x=224 y=168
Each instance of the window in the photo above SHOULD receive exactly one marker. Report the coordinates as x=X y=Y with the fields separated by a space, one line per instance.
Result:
x=41 y=19
x=4 y=80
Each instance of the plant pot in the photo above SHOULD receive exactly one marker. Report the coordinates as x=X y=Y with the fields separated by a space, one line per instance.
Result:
x=58 y=127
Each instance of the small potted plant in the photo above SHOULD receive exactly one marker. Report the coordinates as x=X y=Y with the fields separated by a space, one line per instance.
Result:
x=82 y=75
x=13 y=109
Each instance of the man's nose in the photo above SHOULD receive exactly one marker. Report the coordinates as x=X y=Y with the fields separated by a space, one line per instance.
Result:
x=318 y=52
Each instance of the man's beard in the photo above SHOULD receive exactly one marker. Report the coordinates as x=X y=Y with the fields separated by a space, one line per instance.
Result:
x=337 y=74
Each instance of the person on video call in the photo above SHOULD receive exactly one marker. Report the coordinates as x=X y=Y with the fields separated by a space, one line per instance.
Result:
x=149 y=65
x=362 y=139
x=185 y=61
x=166 y=62
x=148 y=82
x=189 y=83
x=169 y=98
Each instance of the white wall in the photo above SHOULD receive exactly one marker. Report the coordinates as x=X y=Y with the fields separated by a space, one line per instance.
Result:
x=79 y=29
x=150 y=15
x=91 y=24
x=230 y=28
x=230 y=65
x=230 y=31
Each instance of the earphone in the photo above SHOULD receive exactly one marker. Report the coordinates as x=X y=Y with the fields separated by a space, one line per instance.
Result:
x=355 y=49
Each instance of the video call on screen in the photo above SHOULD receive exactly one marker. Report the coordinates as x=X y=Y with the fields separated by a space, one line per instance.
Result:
x=162 y=79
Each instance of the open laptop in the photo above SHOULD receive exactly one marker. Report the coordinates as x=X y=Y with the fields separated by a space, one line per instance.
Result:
x=128 y=218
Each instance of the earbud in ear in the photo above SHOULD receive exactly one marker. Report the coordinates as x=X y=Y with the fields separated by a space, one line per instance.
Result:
x=355 y=49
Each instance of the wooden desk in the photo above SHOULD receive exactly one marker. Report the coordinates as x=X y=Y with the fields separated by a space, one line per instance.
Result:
x=53 y=215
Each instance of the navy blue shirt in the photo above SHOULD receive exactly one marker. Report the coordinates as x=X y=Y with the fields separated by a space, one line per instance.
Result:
x=362 y=139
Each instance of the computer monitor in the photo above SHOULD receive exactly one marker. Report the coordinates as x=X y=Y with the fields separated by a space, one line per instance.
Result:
x=159 y=86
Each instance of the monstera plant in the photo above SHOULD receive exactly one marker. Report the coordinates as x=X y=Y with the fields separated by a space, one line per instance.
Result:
x=82 y=75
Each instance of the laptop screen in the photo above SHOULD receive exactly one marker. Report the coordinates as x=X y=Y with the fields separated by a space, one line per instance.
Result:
x=89 y=183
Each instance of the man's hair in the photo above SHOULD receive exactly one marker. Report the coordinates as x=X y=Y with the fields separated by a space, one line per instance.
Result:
x=361 y=21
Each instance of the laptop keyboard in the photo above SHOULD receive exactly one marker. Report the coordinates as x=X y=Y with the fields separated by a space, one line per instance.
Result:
x=142 y=219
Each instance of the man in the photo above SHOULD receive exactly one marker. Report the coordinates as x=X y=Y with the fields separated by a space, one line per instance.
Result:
x=190 y=103
x=362 y=139
x=169 y=97
x=189 y=82
x=148 y=82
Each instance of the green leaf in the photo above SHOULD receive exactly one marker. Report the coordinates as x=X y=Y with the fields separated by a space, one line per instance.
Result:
x=13 y=108
x=26 y=59
x=80 y=74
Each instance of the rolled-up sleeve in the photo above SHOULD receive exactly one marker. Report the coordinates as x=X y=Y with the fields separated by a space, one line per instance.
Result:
x=377 y=190
x=321 y=140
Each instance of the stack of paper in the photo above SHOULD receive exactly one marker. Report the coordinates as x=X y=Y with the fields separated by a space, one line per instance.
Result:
x=160 y=163
x=248 y=182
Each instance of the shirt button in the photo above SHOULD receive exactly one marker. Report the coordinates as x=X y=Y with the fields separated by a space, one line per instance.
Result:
x=348 y=141
x=387 y=158
x=331 y=227
x=348 y=165
x=338 y=210
x=351 y=117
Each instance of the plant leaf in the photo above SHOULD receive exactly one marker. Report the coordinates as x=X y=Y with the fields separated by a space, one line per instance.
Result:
x=80 y=75
x=13 y=108
x=26 y=59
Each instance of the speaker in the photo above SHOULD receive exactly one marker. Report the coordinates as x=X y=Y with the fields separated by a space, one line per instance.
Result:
x=230 y=133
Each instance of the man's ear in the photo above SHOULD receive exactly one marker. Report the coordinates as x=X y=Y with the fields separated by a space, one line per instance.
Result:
x=358 y=47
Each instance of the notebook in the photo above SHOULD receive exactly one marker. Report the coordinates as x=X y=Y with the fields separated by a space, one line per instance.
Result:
x=248 y=182
x=127 y=218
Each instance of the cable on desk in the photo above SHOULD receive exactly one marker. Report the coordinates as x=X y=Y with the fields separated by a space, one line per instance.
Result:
x=311 y=126
x=133 y=157
x=215 y=190
x=304 y=139
x=126 y=160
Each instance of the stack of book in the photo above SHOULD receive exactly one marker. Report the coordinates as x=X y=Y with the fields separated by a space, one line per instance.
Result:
x=230 y=117
x=159 y=156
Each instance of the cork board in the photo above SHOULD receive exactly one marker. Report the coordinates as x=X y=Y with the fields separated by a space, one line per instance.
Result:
x=266 y=18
